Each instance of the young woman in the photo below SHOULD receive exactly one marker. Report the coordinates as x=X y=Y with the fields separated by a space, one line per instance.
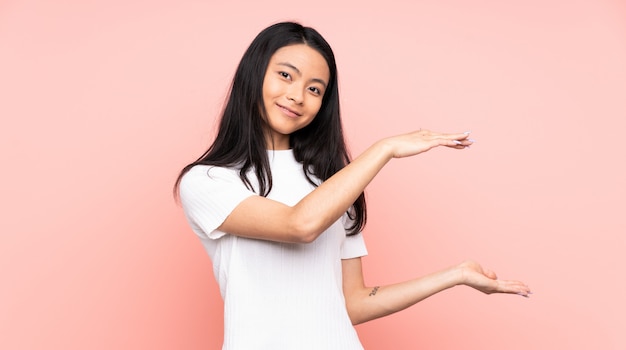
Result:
x=279 y=206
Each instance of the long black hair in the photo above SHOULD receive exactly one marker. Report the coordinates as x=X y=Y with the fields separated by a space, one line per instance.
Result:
x=240 y=141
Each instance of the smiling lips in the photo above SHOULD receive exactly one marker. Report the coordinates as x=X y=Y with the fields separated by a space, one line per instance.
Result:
x=289 y=112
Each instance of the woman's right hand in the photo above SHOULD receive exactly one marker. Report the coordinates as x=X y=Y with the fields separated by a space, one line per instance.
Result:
x=420 y=141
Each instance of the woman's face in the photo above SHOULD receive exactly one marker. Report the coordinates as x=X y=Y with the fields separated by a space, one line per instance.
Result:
x=293 y=89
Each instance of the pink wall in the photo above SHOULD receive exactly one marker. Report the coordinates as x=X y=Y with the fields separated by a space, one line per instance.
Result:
x=102 y=102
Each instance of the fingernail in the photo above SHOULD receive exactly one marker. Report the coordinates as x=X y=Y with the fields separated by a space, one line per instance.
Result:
x=467 y=132
x=471 y=140
x=458 y=142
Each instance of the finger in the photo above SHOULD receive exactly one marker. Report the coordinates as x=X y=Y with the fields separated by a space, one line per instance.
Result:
x=490 y=274
x=458 y=140
x=458 y=136
x=513 y=287
x=433 y=134
x=453 y=143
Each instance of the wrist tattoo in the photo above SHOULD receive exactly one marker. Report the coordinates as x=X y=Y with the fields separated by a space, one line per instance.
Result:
x=373 y=292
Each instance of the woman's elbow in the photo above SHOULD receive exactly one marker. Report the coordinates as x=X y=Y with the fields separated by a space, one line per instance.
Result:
x=306 y=233
x=356 y=317
x=305 y=230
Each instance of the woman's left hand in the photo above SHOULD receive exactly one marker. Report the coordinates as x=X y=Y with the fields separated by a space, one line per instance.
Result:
x=486 y=281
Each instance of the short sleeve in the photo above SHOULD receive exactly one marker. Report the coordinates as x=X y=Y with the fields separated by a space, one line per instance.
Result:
x=208 y=195
x=353 y=247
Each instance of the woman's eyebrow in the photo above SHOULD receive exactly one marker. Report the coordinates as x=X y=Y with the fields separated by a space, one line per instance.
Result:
x=287 y=64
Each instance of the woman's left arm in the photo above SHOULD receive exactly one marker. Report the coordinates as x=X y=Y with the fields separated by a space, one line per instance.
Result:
x=368 y=303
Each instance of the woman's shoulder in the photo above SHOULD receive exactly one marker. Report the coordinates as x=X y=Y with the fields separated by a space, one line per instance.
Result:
x=210 y=173
x=204 y=168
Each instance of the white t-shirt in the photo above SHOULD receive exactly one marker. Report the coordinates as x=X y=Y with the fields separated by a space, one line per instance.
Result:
x=276 y=295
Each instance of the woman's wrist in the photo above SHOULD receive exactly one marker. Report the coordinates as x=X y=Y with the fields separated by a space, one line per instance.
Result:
x=385 y=148
x=458 y=273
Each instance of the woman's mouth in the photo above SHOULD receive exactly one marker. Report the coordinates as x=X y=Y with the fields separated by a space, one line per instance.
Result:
x=289 y=112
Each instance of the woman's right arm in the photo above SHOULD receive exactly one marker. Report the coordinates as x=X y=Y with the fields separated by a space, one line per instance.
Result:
x=305 y=221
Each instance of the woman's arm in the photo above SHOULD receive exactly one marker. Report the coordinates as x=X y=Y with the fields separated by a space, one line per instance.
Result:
x=305 y=221
x=368 y=303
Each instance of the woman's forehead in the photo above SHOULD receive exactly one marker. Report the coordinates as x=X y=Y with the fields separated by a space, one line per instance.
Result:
x=302 y=58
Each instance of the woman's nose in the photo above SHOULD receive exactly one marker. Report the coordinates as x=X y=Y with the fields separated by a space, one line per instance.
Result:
x=295 y=94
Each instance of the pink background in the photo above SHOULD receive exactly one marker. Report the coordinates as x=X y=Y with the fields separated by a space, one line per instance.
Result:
x=102 y=102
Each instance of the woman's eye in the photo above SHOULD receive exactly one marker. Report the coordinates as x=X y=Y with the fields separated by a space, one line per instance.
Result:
x=284 y=75
x=315 y=90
